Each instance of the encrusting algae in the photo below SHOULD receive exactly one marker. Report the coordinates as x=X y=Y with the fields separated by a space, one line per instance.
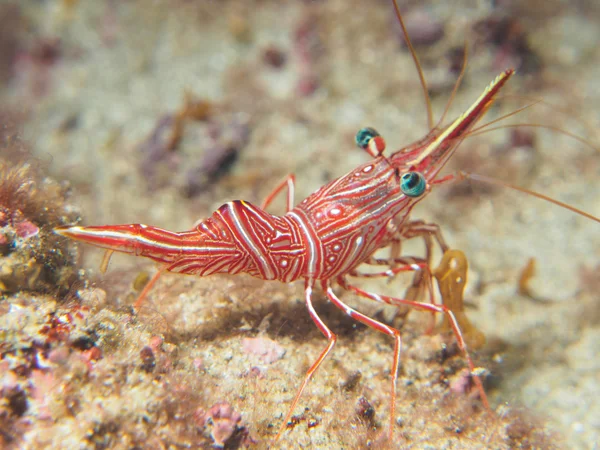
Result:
x=32 y=257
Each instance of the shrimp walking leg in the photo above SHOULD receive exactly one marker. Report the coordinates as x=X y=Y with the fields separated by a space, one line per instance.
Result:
x=430 y=308
x=376 y=325
x=138 y=303
x=331 y=337
x=290 y=182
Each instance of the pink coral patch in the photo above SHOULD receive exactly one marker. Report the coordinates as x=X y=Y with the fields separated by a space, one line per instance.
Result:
x=26 y=229
x=266 y=349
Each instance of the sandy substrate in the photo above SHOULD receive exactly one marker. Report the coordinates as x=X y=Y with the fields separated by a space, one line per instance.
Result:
x=122 y=66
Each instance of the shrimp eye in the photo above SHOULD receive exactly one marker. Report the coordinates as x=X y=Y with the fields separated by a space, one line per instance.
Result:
x=364 y=135
x=412 y=184
x=370 y=140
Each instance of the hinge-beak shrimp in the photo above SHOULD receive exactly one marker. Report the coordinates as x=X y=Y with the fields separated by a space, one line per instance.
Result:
x=327 y=236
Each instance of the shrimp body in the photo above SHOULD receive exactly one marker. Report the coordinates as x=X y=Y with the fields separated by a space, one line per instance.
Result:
x=332 y=231
x=240 y=237
x=324 y=238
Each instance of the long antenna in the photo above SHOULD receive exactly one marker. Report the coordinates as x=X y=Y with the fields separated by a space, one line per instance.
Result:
x=417 y=64
x=484 y=129
x=493 y=181
x=463 y=69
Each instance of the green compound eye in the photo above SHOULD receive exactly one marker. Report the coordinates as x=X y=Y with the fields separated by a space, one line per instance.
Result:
x=412 y=184
x=364 y=135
